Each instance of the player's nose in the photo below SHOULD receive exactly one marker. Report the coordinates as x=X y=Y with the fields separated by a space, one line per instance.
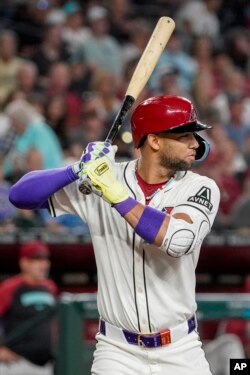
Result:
x=193 y=143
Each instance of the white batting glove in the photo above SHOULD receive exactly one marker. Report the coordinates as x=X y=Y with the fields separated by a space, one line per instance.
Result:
x=94 y=151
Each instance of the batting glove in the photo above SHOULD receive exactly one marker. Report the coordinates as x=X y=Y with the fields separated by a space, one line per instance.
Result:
x=104 y=182
x=93 y=151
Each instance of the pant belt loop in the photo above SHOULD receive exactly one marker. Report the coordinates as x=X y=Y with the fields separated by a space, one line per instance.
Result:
x=102 y=327
x=192 y=324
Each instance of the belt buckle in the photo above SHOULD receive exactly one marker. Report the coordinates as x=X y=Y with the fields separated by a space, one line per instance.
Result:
x=139 y=340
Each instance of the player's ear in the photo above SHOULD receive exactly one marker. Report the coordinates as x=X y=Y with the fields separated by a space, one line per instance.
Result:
x=153 y=141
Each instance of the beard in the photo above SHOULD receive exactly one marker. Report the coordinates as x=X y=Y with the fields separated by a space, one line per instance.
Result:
x=174 y=164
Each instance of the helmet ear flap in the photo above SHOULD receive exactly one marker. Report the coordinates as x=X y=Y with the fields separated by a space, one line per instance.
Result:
x=203 y=149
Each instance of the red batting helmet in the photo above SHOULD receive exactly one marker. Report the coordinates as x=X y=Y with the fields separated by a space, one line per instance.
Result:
x=171 y=114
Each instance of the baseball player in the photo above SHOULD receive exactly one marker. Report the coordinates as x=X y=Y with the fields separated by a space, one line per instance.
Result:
x=147 y=219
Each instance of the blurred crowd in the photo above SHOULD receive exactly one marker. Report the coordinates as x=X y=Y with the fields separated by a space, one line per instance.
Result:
x=64 y=70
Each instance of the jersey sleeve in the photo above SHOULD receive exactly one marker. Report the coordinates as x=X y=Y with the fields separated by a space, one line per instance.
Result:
x=200 y=200
x=7 y=290
x=69 y=200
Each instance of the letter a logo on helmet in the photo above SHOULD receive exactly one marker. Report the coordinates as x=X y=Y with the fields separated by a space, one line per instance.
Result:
x=170 y=114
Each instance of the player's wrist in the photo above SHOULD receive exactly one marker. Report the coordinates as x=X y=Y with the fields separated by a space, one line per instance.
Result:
x=76 y=169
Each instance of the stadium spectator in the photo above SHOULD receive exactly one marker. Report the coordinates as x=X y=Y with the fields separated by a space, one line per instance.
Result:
x=59 y=79
x=246 y=150
x=101 y=50
x=222 y=63
x=52 y=49
x=7 y=211
x=27 y=20
x=230 y=189
x=203 y=90
x=240 y=218
x=169 y=82
x=7 y=135
x=236 y=129
x=197 y=18
x=55 y=113
x=139 y=34
x=31 y=133
x=121 y=13
x=202 y=51
x=74 y=32
x=27 y=80
x=26 y=303
x=93 y=121
x=175 y=55
x=237 y=44
x=9 y=64
x=106 y=85
x=233 y=85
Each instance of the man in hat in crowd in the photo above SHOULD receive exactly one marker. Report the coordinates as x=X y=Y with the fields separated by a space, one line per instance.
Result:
x=25 y=304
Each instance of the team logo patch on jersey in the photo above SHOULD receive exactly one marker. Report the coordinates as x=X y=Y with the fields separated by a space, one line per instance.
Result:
x=203 y=197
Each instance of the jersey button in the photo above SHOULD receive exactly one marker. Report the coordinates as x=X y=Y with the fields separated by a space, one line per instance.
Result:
x=140 y=290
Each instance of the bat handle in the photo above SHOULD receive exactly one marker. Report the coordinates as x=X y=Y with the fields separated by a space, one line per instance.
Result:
x=85 y=186
x=126 y=105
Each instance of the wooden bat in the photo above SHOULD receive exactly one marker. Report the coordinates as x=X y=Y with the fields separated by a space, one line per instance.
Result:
x=154 y=48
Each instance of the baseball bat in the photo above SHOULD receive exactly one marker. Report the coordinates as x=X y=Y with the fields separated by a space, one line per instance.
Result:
x=153 y=50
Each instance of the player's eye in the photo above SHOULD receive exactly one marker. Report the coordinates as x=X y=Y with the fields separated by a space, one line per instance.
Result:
x=184 y=135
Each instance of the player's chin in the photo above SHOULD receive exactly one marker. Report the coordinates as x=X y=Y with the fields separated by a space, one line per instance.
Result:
x=183 y=165
x=189 y=161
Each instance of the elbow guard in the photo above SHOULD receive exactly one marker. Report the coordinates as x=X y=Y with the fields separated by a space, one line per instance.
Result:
x=182 y=237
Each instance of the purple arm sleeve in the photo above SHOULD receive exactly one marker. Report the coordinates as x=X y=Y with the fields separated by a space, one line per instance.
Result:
x=34 y=189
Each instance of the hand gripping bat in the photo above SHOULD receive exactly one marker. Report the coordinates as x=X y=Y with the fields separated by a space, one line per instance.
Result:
x=154 y=48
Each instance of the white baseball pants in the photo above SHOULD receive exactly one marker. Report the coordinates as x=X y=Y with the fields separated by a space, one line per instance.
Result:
x=183 y=357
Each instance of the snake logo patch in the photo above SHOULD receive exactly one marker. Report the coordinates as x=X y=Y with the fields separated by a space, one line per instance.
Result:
x=203 y=197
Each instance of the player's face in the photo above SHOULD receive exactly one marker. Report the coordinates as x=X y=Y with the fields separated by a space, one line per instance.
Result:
x=177 y=151
x=36 y=269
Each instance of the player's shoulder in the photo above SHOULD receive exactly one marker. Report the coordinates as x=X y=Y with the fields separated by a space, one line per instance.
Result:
x=122 y=166
x=51 y=286
x=196 y=179
x=11 y=283
x=199 y=186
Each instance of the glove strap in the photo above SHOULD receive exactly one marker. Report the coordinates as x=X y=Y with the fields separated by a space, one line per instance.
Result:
x=124 y=207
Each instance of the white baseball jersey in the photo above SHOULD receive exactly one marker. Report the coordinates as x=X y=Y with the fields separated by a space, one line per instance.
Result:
x=141 y=287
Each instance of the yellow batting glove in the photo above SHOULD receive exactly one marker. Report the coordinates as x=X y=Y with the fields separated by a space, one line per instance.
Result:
x=104 y=182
